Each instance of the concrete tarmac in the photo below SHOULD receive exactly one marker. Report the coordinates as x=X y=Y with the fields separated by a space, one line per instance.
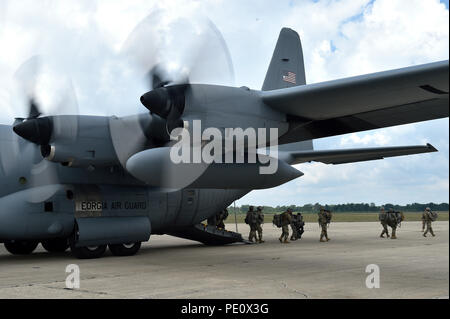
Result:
x=166 y=267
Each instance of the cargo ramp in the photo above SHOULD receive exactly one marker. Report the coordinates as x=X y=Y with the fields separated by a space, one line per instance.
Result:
x=208 y=235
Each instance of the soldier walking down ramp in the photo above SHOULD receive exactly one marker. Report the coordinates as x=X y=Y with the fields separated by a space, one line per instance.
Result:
x=429 y=216
x=383 y=220
x=260 y=219
x=212 y=220
x=251 y=220
x=220 y=217
x=286 y=220
x=324 y=220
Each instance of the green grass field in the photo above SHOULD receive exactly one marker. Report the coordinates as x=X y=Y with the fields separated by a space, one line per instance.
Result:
x=340 y=217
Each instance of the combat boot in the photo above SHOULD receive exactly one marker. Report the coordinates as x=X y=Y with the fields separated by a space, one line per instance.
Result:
x=286 y=241
x=321 y=239
x=424 y=235
x=393 y=237
x=281 y=240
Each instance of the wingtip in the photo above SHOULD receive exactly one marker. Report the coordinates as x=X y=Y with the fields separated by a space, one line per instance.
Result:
x=431 y=148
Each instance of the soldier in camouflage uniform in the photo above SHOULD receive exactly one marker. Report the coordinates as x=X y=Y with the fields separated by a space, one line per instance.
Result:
x=286 y=220
x=220 y=217
x=394 y=219
x=260 y=218
x=212 y=220
x=426 y=216
x=297 y=226
x=251 y=220
x=383 y=218
x=324 y=220
x=423 y=222
x=294 y=228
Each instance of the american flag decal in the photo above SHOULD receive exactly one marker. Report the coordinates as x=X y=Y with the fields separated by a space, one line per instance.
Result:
x=289 y=77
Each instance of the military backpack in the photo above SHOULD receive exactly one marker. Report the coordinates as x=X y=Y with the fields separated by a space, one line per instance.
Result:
x=432 y=216
x=251 y=218
x=277 y=220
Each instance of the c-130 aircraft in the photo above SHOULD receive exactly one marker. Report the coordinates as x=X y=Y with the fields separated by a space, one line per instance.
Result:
x=92 y=182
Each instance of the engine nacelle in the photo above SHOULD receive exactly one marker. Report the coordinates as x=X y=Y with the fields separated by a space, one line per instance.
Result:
x=80 y=141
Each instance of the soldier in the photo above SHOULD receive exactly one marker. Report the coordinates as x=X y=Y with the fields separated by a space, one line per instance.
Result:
x=383 y=218
x=220 y=217
x=260 y=219
x=423 y=221
x=286 y=219
x=297 y=226
x=212 y=220
x=324 y=220
x=427 y=216
x=394 y=219
x=293 y=227
x=251 y=220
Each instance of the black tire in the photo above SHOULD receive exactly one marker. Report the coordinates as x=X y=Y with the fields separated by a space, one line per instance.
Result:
x=57 y=245
x=88 y=252
x=21 y=247
x=125 y=249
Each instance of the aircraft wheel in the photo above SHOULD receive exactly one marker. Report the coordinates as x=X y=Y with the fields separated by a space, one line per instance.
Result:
x=21 y=247
x=57 y=245
x=125 y=249
x=88 y=252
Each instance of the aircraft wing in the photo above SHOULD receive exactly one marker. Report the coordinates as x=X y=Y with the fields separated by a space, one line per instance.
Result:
x=354 y=155
x=366 y=102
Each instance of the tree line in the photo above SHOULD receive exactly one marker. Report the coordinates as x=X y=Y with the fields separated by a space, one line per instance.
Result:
x=349 y=207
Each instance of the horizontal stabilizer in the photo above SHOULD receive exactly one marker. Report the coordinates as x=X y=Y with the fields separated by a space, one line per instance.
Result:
x=355 y=155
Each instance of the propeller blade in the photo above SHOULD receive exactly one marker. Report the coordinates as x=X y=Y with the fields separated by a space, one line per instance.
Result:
x=171 y=50
x=39 y=82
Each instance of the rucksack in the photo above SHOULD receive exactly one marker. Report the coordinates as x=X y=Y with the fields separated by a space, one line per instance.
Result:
x=433 y=216
x=277 y=220
x=394 y=219
x=246 y=220
x=251 y=218
x=328 y=216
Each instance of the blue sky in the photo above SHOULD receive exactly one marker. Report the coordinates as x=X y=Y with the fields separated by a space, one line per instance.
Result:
x=339 y=38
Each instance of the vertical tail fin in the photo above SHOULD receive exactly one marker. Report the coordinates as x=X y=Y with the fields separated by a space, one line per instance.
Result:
x=286 y=68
